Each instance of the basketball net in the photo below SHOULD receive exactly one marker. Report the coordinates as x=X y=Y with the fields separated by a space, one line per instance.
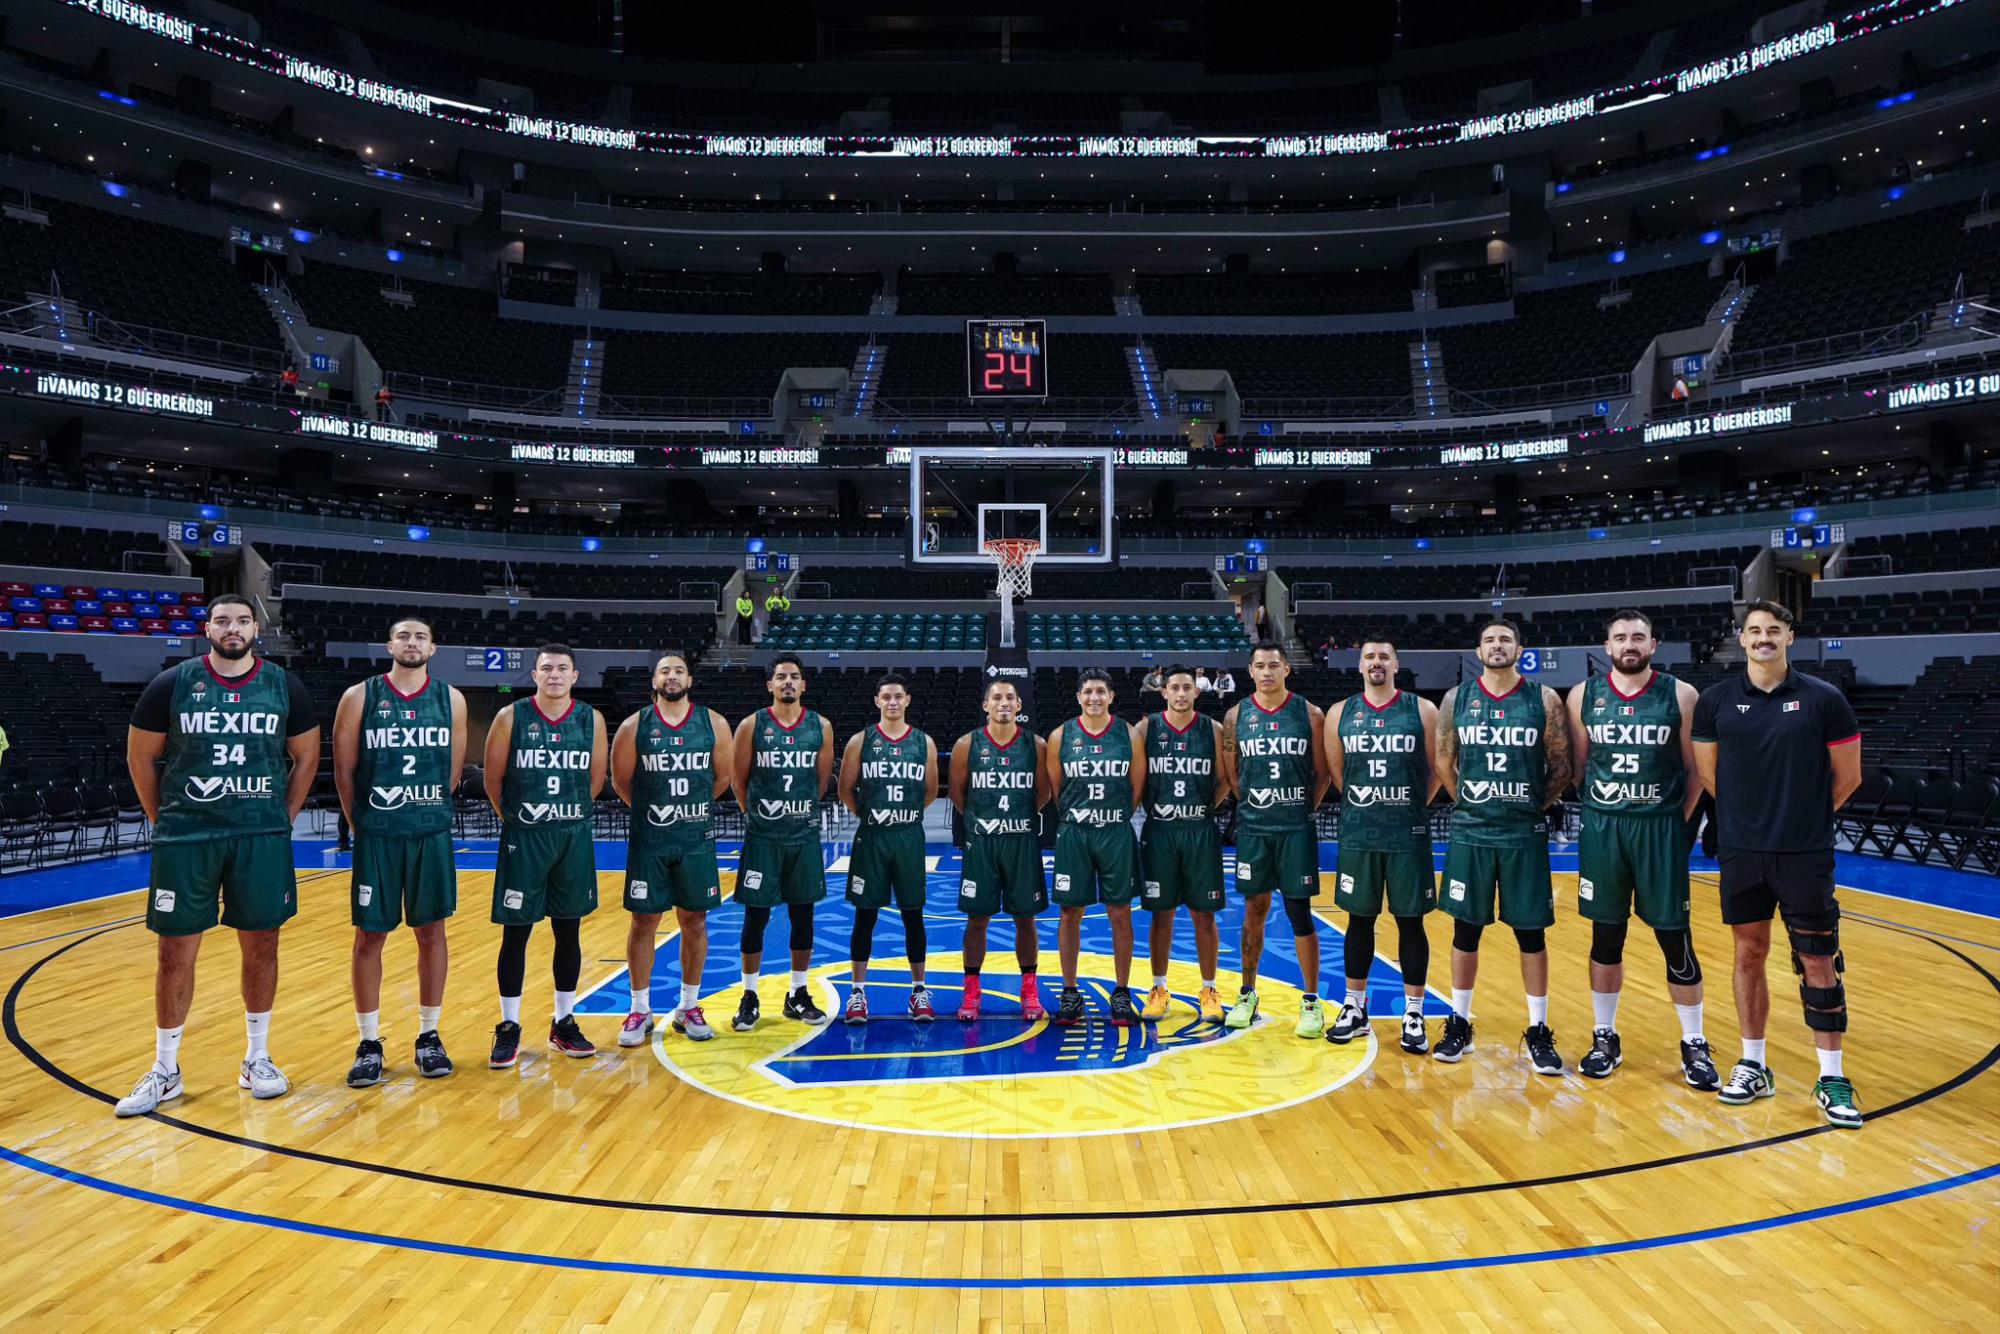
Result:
x=1015 y=557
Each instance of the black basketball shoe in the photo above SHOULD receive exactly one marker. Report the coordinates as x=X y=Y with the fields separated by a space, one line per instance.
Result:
x=1457 y=1039
x=799 y=1005
x=748 y=1012
x=1069 y=1009
x=367 y=1071
x=1606 y=1054
x=506 y=1045
x=1123 y=1015
x=432 y=1063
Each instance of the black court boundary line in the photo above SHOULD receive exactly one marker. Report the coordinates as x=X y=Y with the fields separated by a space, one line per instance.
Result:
x=8 y=1017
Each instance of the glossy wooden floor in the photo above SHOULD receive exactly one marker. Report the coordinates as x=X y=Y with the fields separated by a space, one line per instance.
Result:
x=573 y=1194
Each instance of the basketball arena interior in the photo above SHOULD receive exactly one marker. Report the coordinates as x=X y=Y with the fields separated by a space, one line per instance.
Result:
x=1561 y=438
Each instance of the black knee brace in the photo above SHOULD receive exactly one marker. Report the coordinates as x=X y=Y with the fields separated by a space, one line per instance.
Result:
x=802 y=926
x=1607 y=942
x=754 y=922
x=1413 y=950
x=1826 y=1007
x=861 y=941
x=1299 y=912
x=1531 y=942
x=569 y=952
x=1465 y=936
x=1677 y=947
x=1358 y=950
x=916 y=943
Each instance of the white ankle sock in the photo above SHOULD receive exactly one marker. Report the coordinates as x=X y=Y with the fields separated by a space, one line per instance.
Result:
x=1829 y=1064
x=1538 y=1010
x=1690 y=1017
x=258 y=1029
x=167 y=1049
x=370 y=1025
x=690 y=995
x=642 y=1000
x=427 y=1018
x=1604 y=1007
x=798 y=978
x=749 y=978
x=1461 y=1002
x=1160 y=980
x=1358 y=999
x=510 y=1009
x=1753 y=1050
x=1413 y=1005
x=565 y=1004
x=1208 y=983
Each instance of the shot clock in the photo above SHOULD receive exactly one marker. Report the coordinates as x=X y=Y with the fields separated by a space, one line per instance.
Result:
x=1006 y=359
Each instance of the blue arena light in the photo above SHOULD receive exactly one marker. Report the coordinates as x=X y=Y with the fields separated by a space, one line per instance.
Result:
x=302 y=236
x=211 y=512
x=1722 y=150
x=114 y=189
x=754 y=545
x=1562 y=187
x=419 y=533
x=1599 y=534
x=1804 y=516
x=1616 y=257
x=1897 y=192
x=395 y=256
x=1422 y=544
x=1906 y=97
x=1704 y=155
x=1254 y=544
x=1710 y=237
x=591 y=544
x=1883 y=104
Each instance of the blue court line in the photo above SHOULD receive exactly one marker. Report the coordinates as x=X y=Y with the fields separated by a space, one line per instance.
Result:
x=65 y=1174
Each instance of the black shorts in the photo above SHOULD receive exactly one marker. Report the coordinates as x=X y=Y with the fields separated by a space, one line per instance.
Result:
x=1796 y=884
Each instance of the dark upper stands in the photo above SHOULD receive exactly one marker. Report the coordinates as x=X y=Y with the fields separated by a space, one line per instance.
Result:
x=444 y=574
x=448 y=332
x=62 y=719
x=1870 y=276
x=932 y=366
x=1563 y=333
x=547 y=287
x=1274 y=366
x=641 y=365
x=187 y=282
x=66 y=546
x=1602 y=574
x=1701 y=626
x=1131 y=583
x=1482 y=286
x=318 y=623
x=1936 y=611
x=1360 y=292
x=1953 y=706
x=1016 y=294
x=741 y=293
x=1923 y=553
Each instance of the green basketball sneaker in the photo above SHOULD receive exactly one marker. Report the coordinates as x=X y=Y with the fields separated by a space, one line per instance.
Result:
x=1243 y=1012
x=1312 y=1019
x=1835 y=1096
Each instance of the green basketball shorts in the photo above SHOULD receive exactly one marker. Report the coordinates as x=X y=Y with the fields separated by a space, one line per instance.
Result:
x=1476 y=877
x=409 y=879
x=770 y=872
x=887 y=864
x=683 y=878
x=544 y=871
x=1096 y=864
x=1285 y=860
x=1621 y=859
x=1181 y=863
x=250 y=876
x=1367 y=876
x=1002 y=874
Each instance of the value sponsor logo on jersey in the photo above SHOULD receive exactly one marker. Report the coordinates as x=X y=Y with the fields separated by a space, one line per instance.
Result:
x=1612 y=793
x=1364 y=794
x=662 y=816
x=229 y=786
x=394 y=798
x=1480 y=791
x=997 y=826
x=1267 y=798
x=544 y=812
x=777 y=808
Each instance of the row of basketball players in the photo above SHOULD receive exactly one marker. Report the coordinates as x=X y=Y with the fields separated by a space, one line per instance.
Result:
x=240 y=747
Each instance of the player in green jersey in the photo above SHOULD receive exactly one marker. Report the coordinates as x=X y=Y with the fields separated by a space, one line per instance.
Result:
x=1274 y=757
x=998 y=784
x=208 y=749
x=1503 y=755
x=1089 y=764
x=783 y=759
x=1378 y=747
x=669 y=761
x=1632 y=738
x=1180 y=852
x=545 y=763
x=888 y=777
x=398 y=750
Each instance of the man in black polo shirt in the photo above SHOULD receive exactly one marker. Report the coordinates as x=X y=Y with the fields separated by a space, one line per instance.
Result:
x=1781 y=753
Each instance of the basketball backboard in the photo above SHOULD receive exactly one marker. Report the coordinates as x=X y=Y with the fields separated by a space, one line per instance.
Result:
x=961 y=497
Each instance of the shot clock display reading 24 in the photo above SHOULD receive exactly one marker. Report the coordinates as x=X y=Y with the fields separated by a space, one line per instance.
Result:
x=1006 y=359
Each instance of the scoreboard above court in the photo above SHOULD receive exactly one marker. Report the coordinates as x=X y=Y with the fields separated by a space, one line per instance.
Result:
x=1006 y=359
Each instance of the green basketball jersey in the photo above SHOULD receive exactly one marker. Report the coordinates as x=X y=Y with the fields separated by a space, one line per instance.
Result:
x=1097 y=774
x=1634 y=766
x=784 y=778
x=673 y=779
x=1274 y=766
x=890 y=791
x=1502 y=771
x=548 y=774
x=1385 y=775
x=1180 y=769
x=226 y=763
x=402 y=782
x=1000 y=785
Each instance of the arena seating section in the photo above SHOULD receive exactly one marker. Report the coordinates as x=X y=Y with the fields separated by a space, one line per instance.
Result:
x=547 y=287
x=1275 y=366
x=188 y=284
x=1926 y=553
x=100 y=609
x=449 y=332
x=1701 y=625
x=1400 y=582
x=67 y=547
x=320 y=622
x=644 y=364
x=1365 y=291
x=1017 y=294
x=741 y=293
x=343 y=567
x=1935 y=611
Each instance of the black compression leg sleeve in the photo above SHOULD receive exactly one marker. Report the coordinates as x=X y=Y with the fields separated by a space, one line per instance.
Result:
x=1358 y=954
x=802 y=926
x=1531 y=942
x=754 y=922
x=913 y=933
x=1607 y=942
x=1683 y=969
x=569 y=952
x=1465 y=936
x=514 y=957
x=861 y=942
x=1413 y=950
x=1299 y=912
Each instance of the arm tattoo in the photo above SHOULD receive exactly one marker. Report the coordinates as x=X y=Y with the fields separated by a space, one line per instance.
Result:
x=1555 y=745
x=1447 y=732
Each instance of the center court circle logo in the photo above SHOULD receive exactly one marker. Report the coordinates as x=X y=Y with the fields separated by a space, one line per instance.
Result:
x=1000 y=1078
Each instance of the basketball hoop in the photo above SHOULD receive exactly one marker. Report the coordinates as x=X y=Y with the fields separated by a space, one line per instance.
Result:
x=1015 y=557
